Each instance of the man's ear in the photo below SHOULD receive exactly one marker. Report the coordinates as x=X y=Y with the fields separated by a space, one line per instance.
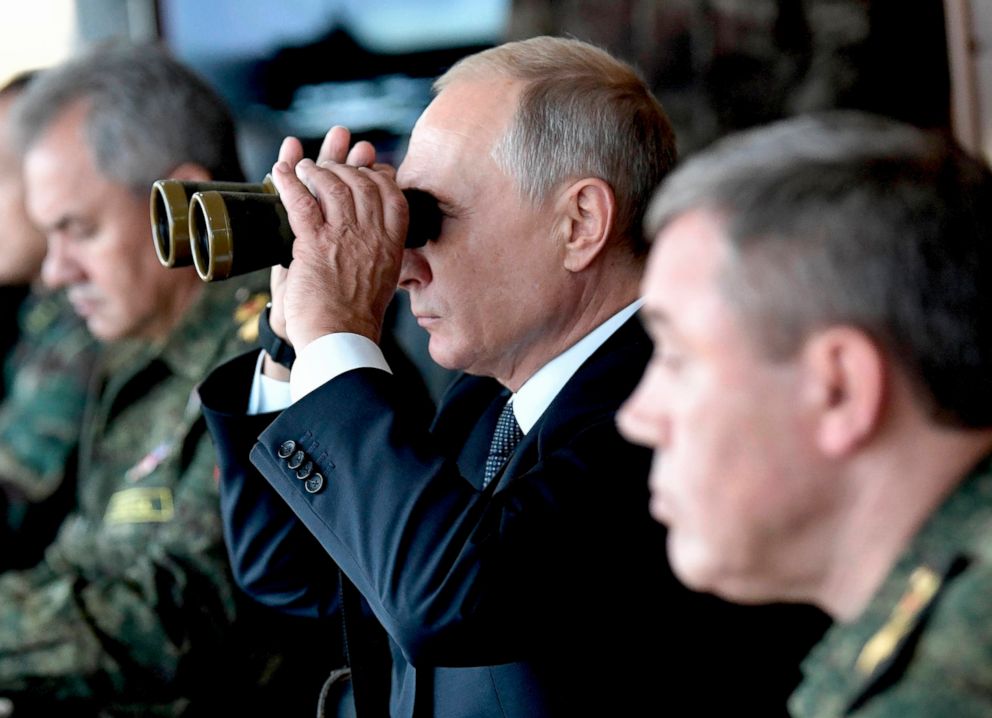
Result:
x=845 y=386
x=190 y=172
x=587 y=212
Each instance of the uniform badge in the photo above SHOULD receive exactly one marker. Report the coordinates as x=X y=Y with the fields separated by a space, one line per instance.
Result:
x=143 y=504
x=41 y=317
x=246 y=315
x=924 y=583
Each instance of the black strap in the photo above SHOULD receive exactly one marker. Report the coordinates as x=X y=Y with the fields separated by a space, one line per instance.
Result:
x=275 y=346
x=366 y=649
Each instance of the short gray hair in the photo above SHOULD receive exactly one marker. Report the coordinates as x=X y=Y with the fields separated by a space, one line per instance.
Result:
x=846 y=218
x=582 y=113
x=147 y=114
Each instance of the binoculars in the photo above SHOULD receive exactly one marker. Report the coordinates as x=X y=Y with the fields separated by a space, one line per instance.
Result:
x=229 y=228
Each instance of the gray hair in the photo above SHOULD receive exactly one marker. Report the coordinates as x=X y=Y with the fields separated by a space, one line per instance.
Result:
x=846 y=218
x=146 y=114
x=582 y=113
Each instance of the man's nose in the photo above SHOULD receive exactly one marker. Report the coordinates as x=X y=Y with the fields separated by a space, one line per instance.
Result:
x=415 y=270
x=60 y=268
x=643 y=419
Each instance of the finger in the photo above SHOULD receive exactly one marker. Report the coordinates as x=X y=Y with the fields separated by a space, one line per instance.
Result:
x=281 y=172
x=334 y=148
x=290 y=151
x=388 y=170
x=277 y=278
x=348 y=196
x=333 y=196
x=363 y=191
x=392 y=204
x=356 y=197
x=362 y=154
x=302 y=208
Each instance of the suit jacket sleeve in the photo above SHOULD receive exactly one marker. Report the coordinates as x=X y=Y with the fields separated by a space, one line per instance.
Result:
x=274 y=557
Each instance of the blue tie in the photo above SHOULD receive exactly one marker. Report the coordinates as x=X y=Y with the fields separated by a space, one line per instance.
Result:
x=505 y=440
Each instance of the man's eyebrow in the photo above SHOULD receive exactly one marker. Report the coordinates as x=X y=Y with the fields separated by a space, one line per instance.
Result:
x=67 y=223
x=58 y=225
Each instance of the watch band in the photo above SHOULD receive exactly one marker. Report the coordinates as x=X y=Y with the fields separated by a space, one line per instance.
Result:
x=275 y=346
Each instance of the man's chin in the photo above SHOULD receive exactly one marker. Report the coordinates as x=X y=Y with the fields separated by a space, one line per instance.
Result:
x=442 y=355
x=689 y=564
x=701 y=573
x=103 y=330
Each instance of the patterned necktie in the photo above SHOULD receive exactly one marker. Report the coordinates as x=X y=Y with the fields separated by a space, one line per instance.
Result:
x=505 y=440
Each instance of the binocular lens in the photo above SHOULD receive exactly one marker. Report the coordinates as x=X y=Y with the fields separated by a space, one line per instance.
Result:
x=201 y=236
x=169 y=208
x=259 y=222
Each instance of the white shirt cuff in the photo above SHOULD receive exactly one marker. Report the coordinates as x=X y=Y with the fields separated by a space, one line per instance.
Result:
x=330 y=356
x=267 y=394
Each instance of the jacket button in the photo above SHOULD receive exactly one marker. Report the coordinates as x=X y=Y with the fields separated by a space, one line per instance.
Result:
x=296 y=460
x=314 y=484
x=304 y=471
x=286 y=448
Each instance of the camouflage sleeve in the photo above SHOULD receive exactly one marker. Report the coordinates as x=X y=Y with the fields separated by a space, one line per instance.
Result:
x=107 y=619
x=48 y=378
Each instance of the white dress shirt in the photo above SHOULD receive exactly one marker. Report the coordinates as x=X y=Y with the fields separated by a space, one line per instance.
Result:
x=333 y=354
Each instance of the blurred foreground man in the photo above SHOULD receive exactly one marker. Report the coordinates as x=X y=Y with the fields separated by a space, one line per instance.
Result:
x=821 y=400
x=45 y=375
x=505 y=548
x=130 y=610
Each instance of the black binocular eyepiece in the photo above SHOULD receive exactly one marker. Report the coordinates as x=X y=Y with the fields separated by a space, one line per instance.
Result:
x=226 y=229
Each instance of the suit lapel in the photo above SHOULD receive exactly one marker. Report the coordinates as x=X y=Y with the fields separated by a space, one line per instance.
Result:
x=470 y=396
x=596 y=390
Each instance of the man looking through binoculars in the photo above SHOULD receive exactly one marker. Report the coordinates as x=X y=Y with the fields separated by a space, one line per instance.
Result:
x=511 y=581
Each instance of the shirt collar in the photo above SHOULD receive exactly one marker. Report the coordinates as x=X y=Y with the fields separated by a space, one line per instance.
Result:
x=537 y=393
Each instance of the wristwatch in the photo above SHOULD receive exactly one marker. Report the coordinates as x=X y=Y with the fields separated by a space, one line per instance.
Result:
x=275 y=346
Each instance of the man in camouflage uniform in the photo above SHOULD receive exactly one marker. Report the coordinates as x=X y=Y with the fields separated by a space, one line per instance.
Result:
x=821 y=400
x=131 y=610
x=45 y=376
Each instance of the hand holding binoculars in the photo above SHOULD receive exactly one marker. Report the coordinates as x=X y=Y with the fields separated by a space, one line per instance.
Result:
x=229 y=228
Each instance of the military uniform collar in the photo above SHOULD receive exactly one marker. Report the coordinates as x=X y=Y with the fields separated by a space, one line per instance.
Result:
x=857 y=660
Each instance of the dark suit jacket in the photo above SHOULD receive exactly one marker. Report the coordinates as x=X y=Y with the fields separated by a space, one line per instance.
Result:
x=548 y=593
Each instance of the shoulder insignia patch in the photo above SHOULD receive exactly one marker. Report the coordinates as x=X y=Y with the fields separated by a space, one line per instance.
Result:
x=145 y=504
x=924 y=583
x=41 y=317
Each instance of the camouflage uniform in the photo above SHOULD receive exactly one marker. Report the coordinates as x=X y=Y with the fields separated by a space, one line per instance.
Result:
x=923 y=647
x=45 y=383
x=46 y=379
x=130 y=608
